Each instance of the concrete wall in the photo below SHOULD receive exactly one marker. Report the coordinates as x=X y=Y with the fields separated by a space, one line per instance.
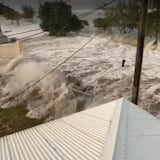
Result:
x=9 y=51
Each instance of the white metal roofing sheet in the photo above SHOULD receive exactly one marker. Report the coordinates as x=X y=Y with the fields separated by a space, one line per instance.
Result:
x=77 y=137
x=114 y=131
x=139 y=135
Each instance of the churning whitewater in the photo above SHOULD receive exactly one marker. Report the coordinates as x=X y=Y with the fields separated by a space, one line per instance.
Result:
x=53 y=97
x=92 y=77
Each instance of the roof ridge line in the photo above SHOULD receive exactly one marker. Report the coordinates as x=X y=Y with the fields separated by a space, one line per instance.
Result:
x=110 y=146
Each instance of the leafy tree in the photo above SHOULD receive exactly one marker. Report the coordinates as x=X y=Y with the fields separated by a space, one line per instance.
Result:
x=12 y=15
x=153 y=21
x=84 y=23
x=4 y=8
x=57 y=18
x=127 y=16
x=101 y=23
x=123 y=17
x=28 y=11
x=9 y=14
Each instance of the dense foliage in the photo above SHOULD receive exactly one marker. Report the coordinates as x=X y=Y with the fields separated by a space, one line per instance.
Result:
x=10 y=13
x=125 y=17
x=57 y=18
x=28 y=11
x=4 y=8
x=153 y=20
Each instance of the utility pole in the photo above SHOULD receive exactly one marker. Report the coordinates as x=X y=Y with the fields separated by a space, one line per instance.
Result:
x=0 y=29
x=0 y=23
x=140 y=49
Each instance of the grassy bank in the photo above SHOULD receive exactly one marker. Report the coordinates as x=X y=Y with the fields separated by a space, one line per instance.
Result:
x=13 y=120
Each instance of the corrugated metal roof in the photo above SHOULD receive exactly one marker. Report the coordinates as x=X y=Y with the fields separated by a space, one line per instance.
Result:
x=117 y=130
x=77 y=137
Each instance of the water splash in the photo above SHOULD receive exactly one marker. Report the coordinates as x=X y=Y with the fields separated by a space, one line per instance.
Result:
x=52 y=97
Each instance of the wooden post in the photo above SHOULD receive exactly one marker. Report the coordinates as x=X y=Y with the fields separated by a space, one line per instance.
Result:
x=140 y=49
x=0 y=29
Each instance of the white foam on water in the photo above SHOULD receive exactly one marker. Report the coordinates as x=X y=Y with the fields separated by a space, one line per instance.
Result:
x=98 y=66
x=50 y=97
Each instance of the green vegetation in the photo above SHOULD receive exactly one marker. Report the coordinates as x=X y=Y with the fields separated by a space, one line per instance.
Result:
x=57 y=18
x=124 y=18
x=153 y=20
x=101 y=23
x=28 y=11
x=4 y=8
x=14 y=119
x=10 y=13
x=13 y=16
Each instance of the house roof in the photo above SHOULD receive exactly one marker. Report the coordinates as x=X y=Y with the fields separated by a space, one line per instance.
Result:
x=117 y=130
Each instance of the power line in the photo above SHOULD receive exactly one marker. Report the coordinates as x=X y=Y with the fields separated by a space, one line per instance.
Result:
x=53 y=70
x=92 y=11
x=67 y=59
x=26 y=58
x=100 y=7
x=24 y=38
x=27 y=37
x=20 y=33
x=80 y=16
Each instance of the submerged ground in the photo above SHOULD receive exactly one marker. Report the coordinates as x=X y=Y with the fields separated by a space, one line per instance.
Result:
x=99 y=66
x=13 y=120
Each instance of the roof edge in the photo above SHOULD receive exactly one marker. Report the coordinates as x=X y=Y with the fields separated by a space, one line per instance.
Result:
x=110 y=146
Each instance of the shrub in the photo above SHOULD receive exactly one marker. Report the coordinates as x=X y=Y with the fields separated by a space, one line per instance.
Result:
x=13 y=15
x=100 y=23
x=28 y=11
x=9 y=14
x=4 y=8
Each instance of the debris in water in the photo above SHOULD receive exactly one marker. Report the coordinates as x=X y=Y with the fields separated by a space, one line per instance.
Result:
x=55 y=96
